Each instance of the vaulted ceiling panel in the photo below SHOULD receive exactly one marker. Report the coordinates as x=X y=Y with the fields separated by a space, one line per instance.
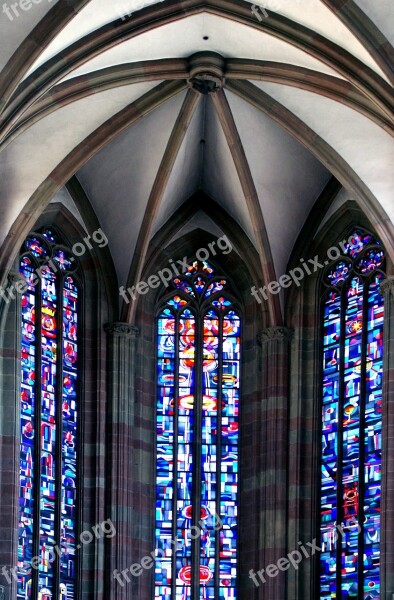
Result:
x=185 y=178
x=200 y=220
x=366 y=147
x=119 y=179
x=382 y=14
x=318 y=17
x=92 y=16
x=261 y=150
x=31 y=156
x=63 y=196
x=310 y=13
x=185 y=37
x=16 y=23
x=287 y=177
x=220 y=179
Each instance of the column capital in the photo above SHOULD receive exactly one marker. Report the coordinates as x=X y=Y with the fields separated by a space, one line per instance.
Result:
x=387 y=286
x=122 y=329
x=274 y=334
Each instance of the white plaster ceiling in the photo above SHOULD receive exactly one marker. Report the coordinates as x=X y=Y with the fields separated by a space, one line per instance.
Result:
x=310 y=13
x=365 y=146
x=14 y=29
x=200 y=220
x=205 y=163
x=92 y=16
x=381 y=13
x=32 y=156
x=63 y=196
x=220 y=179
x=119 y=178
x=185 y=177
x=185 y=37
x=287 y=177
x=339 y=201
x=316 y=16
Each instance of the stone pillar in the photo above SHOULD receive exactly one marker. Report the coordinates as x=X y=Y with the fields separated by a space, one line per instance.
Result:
x=121 y=408
x=387 y=508
x=275 y=343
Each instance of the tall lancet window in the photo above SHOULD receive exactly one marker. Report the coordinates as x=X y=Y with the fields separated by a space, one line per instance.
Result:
x=49 y=417
x=352 y=421
x=198 y=359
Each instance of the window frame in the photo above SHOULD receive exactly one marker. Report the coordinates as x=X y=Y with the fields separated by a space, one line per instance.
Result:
x=322 y=290
x=199 y=311
x=78 y=276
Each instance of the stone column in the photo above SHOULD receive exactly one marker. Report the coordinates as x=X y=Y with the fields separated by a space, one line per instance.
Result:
x=275 y=343
x=121 y=408
x=387 y=508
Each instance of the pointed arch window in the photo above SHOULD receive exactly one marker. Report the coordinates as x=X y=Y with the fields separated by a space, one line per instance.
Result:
x=49 y=419
x=198 y=342
x=353 y=314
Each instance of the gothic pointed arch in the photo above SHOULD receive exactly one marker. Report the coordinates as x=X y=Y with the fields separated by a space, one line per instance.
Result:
x=308 y=500
x=79 y=422
x=237 y=270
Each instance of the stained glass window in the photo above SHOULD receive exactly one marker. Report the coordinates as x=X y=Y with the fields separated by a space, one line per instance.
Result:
x=198 y=381
x=352 y=421
x=48 y=420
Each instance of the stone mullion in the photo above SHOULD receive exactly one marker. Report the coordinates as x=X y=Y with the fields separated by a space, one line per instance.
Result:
x=275 y=344
x=387 y=508
x=121 y=405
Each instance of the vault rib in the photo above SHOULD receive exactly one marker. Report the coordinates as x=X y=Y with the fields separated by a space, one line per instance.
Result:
x=241 y=164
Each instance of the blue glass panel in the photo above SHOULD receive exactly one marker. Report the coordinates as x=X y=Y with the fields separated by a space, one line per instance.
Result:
x=371 y=260
x=49 y=434
x=171 y=452
x=36 y=246
x=165 y=455
x=351 y=433
x=357 y=242
x=177 y=302
x=209 y=449
x=64 y=260
x=69 y=439
x=199 y=284
x=183 y=285
x=50 y=235
x=42 y=339
x=175 y=421
x=352 y=422
x=338 y=274
x=185 y=460
x=28 y=433
x=221 y=303
x=373 y=441
x=216 y=286
x=228 y=550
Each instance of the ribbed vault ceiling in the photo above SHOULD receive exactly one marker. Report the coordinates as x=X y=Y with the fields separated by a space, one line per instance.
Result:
x=259 y=113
